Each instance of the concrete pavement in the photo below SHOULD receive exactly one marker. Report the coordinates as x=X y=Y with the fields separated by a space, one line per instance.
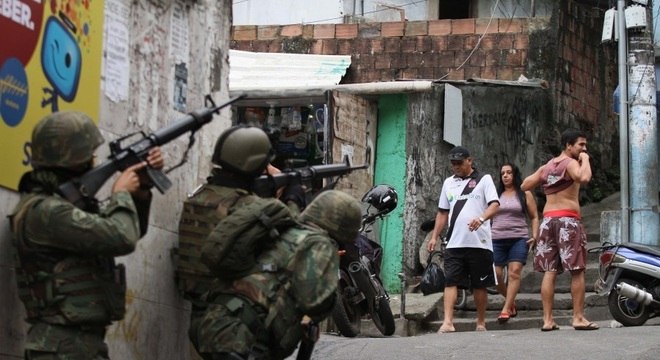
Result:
x=626 y=343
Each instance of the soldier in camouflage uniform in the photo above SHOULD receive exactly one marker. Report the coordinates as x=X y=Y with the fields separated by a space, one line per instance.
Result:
x=241 y=154
x=259 y=316
x=67 y=278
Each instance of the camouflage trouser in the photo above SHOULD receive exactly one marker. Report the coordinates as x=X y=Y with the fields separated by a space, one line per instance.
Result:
x=57 y=342
x=231 y=330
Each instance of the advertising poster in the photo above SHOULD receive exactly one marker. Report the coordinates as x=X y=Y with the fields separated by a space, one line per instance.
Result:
x=50 y=60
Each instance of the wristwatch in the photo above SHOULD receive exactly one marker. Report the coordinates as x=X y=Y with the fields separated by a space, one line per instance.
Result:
x=482 y=220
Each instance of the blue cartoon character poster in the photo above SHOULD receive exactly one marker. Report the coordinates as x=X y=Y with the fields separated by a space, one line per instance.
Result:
x=48 y=48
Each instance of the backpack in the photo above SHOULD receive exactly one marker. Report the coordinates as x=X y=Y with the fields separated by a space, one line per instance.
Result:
x=296 y=275
x=230 y=251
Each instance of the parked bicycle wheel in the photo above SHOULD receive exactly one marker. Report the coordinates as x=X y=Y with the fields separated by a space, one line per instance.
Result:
x=492 y=290
x=461 y=299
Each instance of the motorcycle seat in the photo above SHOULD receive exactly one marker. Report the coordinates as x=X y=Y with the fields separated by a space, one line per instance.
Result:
x=647 y=249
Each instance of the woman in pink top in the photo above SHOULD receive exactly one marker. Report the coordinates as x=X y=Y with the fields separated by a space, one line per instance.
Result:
x=510 y=232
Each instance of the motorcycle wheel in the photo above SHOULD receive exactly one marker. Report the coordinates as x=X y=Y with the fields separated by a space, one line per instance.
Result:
x=346 y=315
x=383 y=318
x=627 y=311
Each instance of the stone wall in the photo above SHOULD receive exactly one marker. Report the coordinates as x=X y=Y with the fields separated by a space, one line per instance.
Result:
x=500 y=124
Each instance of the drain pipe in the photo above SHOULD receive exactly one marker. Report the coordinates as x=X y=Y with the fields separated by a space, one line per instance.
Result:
x=402 y=277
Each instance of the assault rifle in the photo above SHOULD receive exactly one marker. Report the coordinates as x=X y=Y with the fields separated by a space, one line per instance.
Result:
x=80 y=190
x=267 y=185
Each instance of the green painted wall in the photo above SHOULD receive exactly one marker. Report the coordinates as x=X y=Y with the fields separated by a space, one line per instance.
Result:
x=391 y=169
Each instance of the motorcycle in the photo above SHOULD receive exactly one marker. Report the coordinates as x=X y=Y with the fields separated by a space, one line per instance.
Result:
x=630 y=277
x=360 y=291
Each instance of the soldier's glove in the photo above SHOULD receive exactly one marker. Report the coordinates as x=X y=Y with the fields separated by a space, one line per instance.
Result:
x=296 y=194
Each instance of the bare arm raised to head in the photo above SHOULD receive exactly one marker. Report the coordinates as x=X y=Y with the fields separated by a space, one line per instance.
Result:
x=533 y=180
x=580 y=170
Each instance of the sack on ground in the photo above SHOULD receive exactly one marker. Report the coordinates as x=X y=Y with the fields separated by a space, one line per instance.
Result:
x=433 y=278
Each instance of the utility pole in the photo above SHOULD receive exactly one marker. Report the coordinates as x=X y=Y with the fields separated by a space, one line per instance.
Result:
x=623 y=119
x=642 y=133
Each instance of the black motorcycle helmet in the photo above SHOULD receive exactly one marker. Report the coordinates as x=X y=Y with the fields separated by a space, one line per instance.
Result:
x=383 y=197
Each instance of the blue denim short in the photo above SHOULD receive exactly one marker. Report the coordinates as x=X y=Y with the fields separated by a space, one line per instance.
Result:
x=508 y=250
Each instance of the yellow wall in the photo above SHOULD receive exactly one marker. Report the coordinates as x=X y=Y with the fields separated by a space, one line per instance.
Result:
x=51 y=50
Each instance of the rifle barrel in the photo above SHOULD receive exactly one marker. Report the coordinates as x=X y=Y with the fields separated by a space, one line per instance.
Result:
x=191 y=122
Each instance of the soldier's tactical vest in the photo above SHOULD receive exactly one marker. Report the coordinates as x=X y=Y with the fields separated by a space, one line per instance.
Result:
x=60 y=288
x=276 y=286
x=199 y=216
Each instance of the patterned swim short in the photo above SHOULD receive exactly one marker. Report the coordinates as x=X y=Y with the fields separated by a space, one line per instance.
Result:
x=562 y=245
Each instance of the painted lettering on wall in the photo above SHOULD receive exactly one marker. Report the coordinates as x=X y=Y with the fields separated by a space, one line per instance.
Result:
x=509 y=127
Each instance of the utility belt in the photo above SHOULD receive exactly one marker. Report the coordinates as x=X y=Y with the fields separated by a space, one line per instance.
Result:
x=76 y=295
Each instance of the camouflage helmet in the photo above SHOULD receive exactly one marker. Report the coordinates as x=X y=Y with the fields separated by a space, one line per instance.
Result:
x=64 y=139
x=245 y=150
x=335 y=212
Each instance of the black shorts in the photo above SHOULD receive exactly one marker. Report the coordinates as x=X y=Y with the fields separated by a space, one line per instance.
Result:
x=469 y=268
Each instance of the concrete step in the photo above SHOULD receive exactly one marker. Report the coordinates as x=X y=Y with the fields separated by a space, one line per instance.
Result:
x=423 y=314
x=420 y=307
x=530 y=280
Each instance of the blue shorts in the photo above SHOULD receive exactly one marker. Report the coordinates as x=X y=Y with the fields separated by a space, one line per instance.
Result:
x=508 y=250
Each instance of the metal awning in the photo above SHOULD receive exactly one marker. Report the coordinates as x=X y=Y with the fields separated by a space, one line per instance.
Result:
x=255 y=71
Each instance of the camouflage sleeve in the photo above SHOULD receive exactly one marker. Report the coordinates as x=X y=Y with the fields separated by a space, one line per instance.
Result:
x=316 y=272
x=59 y=224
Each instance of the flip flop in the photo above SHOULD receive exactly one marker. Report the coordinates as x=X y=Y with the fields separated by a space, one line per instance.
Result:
x=513 y=312
x=504 y=317
x=589 y=326
x=552 y=328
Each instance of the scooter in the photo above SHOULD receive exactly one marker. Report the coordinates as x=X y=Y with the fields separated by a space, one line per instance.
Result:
x=360 y=291
x=630 y=277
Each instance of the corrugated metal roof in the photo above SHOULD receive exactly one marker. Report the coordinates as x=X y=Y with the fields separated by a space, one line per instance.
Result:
x=261 y=71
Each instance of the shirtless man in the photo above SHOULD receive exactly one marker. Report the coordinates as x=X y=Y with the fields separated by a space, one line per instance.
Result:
x=562 y=240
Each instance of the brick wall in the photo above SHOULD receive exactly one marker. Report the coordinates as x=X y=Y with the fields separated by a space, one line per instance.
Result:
x=565 y=50
x=585 y=71
x=439 y=49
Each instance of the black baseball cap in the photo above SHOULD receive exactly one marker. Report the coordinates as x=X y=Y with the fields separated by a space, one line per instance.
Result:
x=459 y=153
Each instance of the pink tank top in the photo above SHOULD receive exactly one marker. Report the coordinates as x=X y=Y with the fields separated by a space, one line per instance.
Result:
x=510 y=221
x=555 y=178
